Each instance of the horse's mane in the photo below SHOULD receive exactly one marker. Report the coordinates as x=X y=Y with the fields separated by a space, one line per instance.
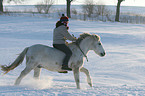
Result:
x=84 y=35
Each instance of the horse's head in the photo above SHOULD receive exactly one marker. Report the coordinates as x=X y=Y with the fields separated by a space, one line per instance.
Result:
x=93 y=42
x=97 y=46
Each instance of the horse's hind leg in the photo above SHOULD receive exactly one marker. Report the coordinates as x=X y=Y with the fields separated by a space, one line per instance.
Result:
x=87 y=74
x=37 y=72
x=23 y=74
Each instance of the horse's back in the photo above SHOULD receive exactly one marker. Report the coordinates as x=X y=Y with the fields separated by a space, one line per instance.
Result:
x=44 y=52
x=41 y=48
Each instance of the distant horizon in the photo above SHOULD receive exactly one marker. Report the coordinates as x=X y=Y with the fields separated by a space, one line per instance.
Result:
x=62 y=5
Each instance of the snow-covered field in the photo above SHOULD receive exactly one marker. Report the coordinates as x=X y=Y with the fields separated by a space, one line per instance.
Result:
x=120 y=73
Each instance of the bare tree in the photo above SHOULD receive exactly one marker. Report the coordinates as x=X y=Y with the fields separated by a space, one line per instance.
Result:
x=1 y=6
x=101 y=10
x=88 y=7
x=39 y=8
x=44 y=6
x=74 y=11
x=47 y=5
x=68 y=7
x=118 y=10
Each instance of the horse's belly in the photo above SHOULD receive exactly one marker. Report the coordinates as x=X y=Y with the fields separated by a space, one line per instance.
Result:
x=52 y=66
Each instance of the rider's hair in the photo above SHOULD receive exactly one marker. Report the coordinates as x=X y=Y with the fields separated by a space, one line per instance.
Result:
x=59 y=24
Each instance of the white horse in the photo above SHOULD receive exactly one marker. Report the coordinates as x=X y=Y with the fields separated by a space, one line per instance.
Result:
x=40 y=56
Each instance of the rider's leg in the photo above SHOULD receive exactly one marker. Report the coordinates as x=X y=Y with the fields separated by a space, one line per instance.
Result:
x=67 y=51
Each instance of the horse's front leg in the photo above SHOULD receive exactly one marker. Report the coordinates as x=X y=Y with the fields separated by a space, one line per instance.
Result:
x=76 y=76
x=88 y=75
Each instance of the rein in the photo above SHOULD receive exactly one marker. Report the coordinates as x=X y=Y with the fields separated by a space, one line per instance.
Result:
x=82 y=51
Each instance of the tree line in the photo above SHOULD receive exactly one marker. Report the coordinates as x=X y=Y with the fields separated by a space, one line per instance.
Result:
x=68 y=4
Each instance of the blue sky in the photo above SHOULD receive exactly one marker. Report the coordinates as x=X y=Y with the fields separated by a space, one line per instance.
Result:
x=106 y=2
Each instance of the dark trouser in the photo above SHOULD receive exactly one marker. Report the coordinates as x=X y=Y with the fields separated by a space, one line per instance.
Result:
x=66 y=50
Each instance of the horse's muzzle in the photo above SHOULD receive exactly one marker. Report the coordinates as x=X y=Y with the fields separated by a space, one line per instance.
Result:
x=103 y=54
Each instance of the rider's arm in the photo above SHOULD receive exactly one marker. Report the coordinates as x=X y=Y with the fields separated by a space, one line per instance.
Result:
x=67 y=34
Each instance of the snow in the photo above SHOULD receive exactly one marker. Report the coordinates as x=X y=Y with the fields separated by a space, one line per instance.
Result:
x=120 y=73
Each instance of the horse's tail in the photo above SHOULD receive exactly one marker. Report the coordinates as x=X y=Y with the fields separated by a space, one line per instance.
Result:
x=16 y=63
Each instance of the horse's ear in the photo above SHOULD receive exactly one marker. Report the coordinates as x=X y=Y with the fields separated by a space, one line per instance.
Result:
x=96 y=37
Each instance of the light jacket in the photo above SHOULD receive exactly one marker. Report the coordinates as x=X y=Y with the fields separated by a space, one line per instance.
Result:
x=59 y=35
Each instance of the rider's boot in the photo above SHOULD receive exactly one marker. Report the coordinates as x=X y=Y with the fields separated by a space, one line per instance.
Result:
x=62 y=71
x=65 y=67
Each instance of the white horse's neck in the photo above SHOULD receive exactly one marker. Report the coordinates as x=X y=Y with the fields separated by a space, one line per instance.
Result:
x=86 y=44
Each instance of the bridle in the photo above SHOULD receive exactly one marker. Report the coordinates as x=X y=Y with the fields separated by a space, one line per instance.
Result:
x=81 y=51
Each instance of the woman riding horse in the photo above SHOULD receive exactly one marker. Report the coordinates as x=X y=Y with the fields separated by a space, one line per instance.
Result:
x=60 y=34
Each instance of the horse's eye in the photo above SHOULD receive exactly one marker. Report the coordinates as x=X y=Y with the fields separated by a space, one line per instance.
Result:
x=99 y=43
